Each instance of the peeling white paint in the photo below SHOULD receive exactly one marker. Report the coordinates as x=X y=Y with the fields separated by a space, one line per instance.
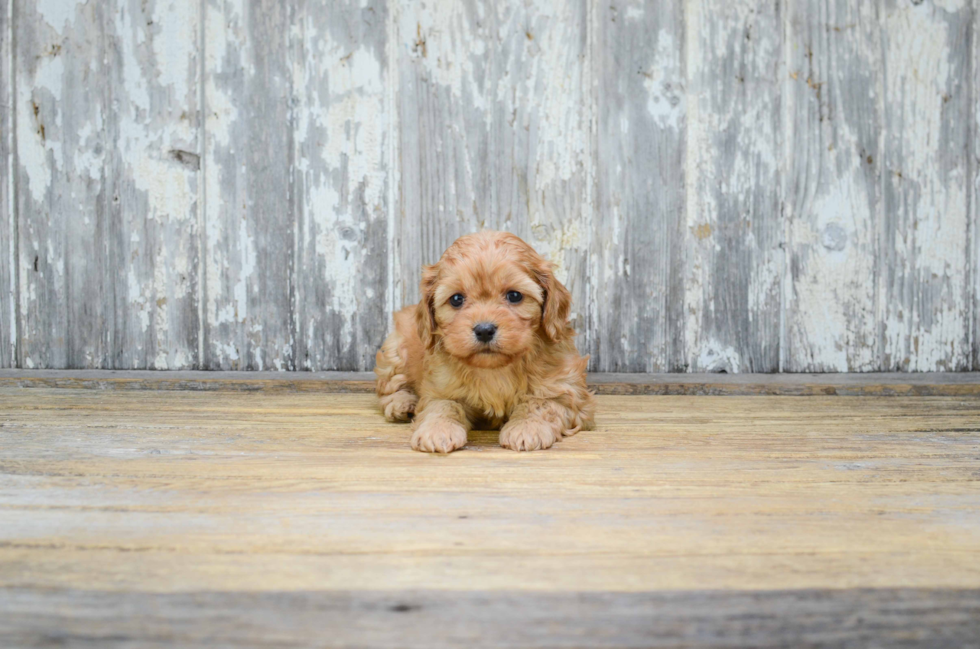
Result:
x=156 y=177
x=665 y=83
x=514 y=82
x=176 y=27
x=731 y=173
x=837 y=291
x=634 y=11
x=950 y=6
x=38 y=131
x=58 y=13
x=554 y=81
x=225 y=350
x=543 y=88
x=441 y=37
x=715 y=357
x=928 y=334
x=225 y=284
x=341 y=129
x=32 y=152
x=831 y=304
x=563 y=240
x=246 y=245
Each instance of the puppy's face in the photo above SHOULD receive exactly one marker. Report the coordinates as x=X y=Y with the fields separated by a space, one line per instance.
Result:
x=489 y=299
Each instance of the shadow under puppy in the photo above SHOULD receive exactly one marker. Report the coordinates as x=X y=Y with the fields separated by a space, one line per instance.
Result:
x=488 y=345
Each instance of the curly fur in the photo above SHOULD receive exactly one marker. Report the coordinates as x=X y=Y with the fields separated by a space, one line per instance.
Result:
x=529 y=381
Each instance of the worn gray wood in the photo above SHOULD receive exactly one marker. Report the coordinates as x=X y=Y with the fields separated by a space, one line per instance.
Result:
x=893 y=617
x=249 y=184
x=961 y=384
x=637 y=252
x=341 y=181
x=61 y=112
x=249 y=214
x=153 y=140
x=923 y=258
x=540 y=157
x=493 y=128
x=974 y=183
x=832 y=188
x=8 y=250
x=444 y=56
x=733 y=231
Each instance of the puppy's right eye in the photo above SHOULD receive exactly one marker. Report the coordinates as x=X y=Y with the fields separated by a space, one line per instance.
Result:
x=456 y=301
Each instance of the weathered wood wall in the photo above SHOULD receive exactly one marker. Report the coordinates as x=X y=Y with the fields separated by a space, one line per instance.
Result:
x=725 y=184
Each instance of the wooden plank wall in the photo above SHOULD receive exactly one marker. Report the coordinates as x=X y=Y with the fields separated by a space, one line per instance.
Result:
x=725 y=185
x=8 y=265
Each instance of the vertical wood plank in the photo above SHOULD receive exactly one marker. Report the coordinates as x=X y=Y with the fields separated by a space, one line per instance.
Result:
x=974 y=157
x=540 y=148
x=445 y=55
x=832 y=190
x=341 y=182
x=60 y=138
x=8 y=248
x=924 y=253
x=494 y=132
x=249 y=214
x=637 y=248
x=733 y=229
x=153 y=158
x=494 y=128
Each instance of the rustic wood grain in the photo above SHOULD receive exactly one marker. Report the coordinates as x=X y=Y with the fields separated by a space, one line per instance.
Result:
x=734 y=231
x=640 y=201
x=429 y=619
x=541 y=153
x=493 y=130
x=341 y=135
x=924 y=253
x=974 y=186
x=238 y=381
x=341 y=182
x=249 y=184
x=195 y=513
x=833 y=91
x=865 y=384
x=8 y=247
x=62 y=198
x=713 y=384
x=249 y=289
x=444 y=55
x=153 y=162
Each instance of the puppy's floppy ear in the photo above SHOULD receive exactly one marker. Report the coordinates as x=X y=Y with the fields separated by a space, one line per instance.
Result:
x=557 y=302
x=425 y=311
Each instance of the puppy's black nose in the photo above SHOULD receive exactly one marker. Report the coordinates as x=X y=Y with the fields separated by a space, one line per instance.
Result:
x=485 y=331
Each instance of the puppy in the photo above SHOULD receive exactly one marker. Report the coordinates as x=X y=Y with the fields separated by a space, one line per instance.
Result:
x=489 y=345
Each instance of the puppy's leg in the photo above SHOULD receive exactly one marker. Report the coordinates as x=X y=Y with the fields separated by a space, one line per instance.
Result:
x=539 y=423
x=394 y=388
x=440 y=427
x=399 y=405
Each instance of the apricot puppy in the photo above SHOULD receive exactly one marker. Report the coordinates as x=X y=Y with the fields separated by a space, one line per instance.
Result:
x=488 y=344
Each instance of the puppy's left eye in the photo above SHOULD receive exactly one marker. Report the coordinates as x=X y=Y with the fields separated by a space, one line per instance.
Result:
x=514 y=297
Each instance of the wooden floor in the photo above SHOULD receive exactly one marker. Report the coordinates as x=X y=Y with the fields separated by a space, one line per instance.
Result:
x=175 y=518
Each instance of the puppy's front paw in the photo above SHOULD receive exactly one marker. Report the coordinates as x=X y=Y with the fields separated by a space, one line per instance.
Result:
x=400 y=406
x=527 y=435
x=438 y=436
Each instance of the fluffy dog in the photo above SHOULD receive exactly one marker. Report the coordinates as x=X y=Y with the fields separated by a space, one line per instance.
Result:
x=488 y=344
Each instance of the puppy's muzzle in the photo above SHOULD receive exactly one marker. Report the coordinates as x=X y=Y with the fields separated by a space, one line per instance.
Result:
x=484 y=331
